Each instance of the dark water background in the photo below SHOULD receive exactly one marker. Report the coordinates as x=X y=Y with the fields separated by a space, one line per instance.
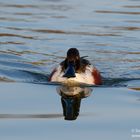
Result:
x=35 y=35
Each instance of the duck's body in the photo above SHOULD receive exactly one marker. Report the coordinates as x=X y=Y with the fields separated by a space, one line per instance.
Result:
x=90 y=76
x=84 y=72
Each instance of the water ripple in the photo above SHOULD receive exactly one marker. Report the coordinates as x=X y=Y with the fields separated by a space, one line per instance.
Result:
x=73 y=32
x=117 y=12
x=16 y=35
x=130 y=28
x=117 y=52
x=18 y=5
x=13 y=19
x=12 y=42
x=131 y=6
x=54 y=6
x=52 y=31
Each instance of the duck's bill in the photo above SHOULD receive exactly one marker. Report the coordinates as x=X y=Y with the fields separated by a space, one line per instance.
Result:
x=70 y=71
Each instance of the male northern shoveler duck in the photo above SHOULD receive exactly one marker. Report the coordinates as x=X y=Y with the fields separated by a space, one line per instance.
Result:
x=77 y=69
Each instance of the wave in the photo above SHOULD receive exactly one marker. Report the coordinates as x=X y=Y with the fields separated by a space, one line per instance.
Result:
x=117 y=82
x=131 y=6
x=107 y=82
x=23 y=76
x=52 y=31
x=117 y=12
x=16 y=35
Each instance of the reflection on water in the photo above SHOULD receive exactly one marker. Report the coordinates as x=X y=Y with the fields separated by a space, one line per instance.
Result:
x=35 y=95
x=71 y=99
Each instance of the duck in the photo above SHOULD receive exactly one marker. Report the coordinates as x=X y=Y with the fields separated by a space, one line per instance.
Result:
x=76 y=69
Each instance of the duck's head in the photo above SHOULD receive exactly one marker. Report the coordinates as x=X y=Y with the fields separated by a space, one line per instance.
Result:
x=72 y=62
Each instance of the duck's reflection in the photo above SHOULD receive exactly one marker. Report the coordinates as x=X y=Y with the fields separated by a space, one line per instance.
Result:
x=71 y=98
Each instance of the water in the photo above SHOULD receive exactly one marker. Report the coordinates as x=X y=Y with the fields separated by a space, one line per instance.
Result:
x=33 y=112
x=34 y=38
x=36 y=34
